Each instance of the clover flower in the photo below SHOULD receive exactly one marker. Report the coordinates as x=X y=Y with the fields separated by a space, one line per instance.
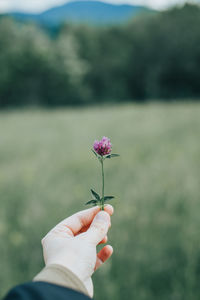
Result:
x=102 y=150
x=103 y=147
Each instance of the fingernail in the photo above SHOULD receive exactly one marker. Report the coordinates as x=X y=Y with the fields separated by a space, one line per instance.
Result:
x=109 y=246
x=111 y=208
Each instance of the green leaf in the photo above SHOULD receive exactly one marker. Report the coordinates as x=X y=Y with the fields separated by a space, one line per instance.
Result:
x=107 y=156
x=108 y=197
x=94 y=153
x=97 y=155
x=95 y=195
x=114 y=155
x=111 y=155
x=91 y=202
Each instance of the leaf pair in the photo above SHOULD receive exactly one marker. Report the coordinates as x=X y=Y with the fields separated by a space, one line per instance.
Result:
x=98 y=199
x=105 y=156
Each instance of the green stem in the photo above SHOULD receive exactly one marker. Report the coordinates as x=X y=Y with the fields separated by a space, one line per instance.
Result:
x=102 y=170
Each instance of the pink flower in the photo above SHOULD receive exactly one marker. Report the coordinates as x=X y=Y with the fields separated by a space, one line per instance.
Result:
x=103 y=147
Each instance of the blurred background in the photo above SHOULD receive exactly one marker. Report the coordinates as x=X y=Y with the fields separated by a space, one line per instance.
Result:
x=71 y=72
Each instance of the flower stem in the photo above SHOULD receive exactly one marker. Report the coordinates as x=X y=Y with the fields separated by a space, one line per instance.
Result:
x=102 y=171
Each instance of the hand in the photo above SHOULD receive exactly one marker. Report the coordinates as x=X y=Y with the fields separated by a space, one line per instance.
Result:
x=72 y=243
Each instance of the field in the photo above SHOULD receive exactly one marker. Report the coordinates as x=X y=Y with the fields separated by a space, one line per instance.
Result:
x=47 y=169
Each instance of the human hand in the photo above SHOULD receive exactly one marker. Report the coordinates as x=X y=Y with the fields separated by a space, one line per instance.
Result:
x=72 y=243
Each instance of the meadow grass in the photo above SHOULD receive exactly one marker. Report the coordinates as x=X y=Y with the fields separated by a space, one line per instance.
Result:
x=47 y=170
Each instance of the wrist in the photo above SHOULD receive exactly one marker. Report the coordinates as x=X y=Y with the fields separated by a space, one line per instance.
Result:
x=60 y=275
x=80 y=274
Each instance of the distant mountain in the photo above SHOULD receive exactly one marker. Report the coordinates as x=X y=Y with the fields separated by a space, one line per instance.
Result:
x=94 y=12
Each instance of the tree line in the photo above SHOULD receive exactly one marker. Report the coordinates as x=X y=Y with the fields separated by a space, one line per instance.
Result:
x=154 y=56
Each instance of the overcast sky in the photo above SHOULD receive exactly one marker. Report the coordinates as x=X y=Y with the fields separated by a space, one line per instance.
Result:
x=40 y=5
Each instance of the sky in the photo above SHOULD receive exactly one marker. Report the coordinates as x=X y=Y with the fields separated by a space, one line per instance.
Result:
x=41 y=5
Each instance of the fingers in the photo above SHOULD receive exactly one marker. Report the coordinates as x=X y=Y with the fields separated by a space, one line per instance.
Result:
x=108 y=208
x=81 y=221
x=98 y=228
x=104 y=254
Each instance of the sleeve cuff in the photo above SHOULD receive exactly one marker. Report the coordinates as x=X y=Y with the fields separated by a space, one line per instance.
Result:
x=60 y=275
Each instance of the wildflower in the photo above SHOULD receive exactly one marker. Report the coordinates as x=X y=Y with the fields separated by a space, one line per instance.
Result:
x=103 y=147
x=102 y=150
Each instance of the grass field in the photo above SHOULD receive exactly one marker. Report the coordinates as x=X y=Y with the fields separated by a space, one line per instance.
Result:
x=47 y=169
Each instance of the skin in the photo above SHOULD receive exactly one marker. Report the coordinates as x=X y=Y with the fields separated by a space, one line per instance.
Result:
x=72 y=243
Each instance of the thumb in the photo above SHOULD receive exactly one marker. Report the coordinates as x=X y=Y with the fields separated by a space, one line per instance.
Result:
x=99 y=227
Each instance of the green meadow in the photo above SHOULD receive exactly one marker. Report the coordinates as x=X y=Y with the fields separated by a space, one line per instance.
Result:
x=47 y=170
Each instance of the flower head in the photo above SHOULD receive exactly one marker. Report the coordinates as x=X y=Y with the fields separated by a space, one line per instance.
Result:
x=103 y=147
